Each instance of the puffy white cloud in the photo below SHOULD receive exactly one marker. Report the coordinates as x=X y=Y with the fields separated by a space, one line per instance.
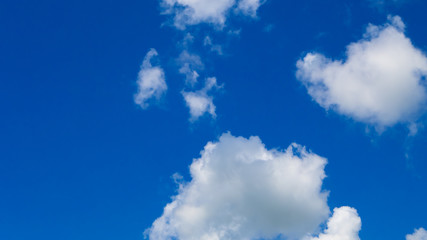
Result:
x=241 y=190
x=419 y=234
x=192 y=12
x=381 y=82
x=151 y=81
x=344 y=224
x=200 y=102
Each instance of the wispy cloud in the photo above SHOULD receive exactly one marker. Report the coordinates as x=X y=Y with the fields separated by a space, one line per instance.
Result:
x=216 y=48
x=193 y=12
x=151 y=81
x=189 y=64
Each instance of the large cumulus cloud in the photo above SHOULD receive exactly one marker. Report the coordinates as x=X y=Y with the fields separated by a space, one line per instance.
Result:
x=241 y=190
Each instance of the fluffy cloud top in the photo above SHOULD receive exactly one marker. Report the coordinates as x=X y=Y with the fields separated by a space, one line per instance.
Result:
x=151 y=81
x=344 y=224
x=241 y=190
x=382 y=81
x=420 y=234
x=192 y=12
x=200 y=102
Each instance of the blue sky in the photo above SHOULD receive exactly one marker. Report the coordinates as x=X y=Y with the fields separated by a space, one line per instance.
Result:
x=81 y=158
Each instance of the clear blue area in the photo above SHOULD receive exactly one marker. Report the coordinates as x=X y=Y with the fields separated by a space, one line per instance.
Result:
x=79 y=160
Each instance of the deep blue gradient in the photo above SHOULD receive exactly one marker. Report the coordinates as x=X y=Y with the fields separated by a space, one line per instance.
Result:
x=79 y=160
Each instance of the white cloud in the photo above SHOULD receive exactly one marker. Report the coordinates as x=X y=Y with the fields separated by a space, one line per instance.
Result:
x=249 y=7
x=344 y=224
x=193 y=12
x=200 y=102
x=241 y=190
x=190 y=64
x=419 y=234
x=151 y=81
x=382 y=81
